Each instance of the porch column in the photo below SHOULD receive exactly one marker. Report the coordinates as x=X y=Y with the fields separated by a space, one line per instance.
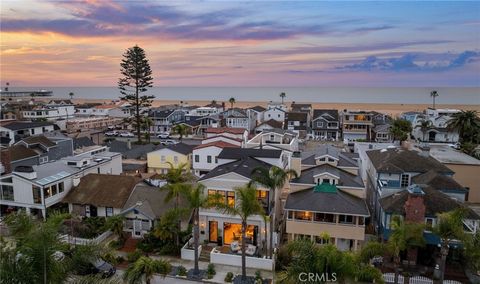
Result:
x=27 y=210
x=355 y=245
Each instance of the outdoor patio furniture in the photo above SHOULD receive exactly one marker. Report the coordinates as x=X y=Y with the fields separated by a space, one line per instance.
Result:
x=234 y=246
x=251 y=249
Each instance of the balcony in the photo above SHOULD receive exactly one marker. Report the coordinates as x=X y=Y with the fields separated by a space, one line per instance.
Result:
x=334 y=230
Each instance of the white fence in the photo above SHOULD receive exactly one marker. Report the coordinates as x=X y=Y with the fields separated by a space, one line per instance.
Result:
x=189 y=253
x=420 y=280
x=81 y=241
x=236 y=260
x=390 y=277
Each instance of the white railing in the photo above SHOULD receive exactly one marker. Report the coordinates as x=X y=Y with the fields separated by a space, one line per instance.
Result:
x=390 y=278
x=81 y=241
x=236 y=260
x=187 y=252
x=420 y=280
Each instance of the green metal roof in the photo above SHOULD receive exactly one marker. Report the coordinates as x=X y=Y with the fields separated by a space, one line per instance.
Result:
x=325 y=188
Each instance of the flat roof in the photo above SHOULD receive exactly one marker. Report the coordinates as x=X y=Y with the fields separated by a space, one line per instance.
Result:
x=447 y=155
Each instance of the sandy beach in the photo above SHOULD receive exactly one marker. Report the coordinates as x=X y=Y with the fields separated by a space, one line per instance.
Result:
x=392 y=109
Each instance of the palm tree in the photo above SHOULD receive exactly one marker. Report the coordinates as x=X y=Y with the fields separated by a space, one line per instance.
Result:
x=404 y=236
x=433 y=95
x=196 y=199
x=282 y=96
x=449 y=227
x=181 y=130
x=168 y=226
x=115 y=224
x=400 y=129
x=467 y=123
x=213 y=102
x=71 y=94
x=246 y=205
x=424 y=125
x=145 y=268
x=232 y=102
x=274 y=179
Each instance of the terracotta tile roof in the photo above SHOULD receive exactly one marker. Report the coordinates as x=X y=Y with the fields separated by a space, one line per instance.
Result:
x=20 y=152
x=219 y=144
x=102 y=190
x=225 y=129
x=40 y=139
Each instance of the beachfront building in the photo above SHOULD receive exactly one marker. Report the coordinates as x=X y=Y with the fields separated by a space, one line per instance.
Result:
x=325 y=124
x=38 y=187
x=239 y=118
x=258 y=113
x=205 y=156
x=306 y=108
x=164 y=120
x=13 y=131
x=268 y=125
x=357 y=125
x=298 y=122
x=274 y=139
x=438 y=130
x=85 y=109
x=161 y=160
x=236 y=133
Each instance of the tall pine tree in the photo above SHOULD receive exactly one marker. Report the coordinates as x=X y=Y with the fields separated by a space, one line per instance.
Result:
x=137 y=78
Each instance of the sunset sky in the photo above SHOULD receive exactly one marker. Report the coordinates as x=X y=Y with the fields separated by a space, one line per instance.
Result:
x=260 y=43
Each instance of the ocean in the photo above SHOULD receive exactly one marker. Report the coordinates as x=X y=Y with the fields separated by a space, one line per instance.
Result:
x=390 y=95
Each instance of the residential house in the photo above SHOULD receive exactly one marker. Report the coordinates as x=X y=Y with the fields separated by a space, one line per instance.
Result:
x=297 y=122
x=134 y=157
x=161 y=160
x=164 y=120
x=324 y=209
x=239 y=118
x=325 y=124
x=48 y=148
x=16 y=130
x=38 y=187
x=85 y=109
x=54 y=110
x=381 y=133
x=80 y=124
x=275 y=139
x=296 y=107
x=206 y=110
x=330 y=154
x=466 y=168
x=224 y=138
x=422 y=204
x=268 y=125
x=357 y=125
x=439 y=130
x=205 y=156
x=393 y=170
x=237 y=133
x=258 y=113
x=275 y=113
x=209 y=122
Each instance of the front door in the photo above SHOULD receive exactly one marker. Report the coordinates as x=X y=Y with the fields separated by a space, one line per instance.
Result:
x=93 y=211
x=137 y=228
x=213 y=231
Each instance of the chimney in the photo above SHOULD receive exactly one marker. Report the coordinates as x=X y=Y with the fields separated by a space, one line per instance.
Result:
x=5 y=160
x=296 y=163
x=129 y=144
x=76 y=180
x=415 y=206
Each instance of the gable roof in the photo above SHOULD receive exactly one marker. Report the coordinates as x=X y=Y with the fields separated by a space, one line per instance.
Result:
x=258 y=108
x=19 y=125
x=241 y=153
x=344 y=159
x=435 y=202
x=243 y=167
x=326 y=201
x=82 y=142
x=219 y=144
x=20 y=152
x=401 y=160
x=437 y=181
x=345 y=178
x=328 y=114
x=219 y=130
x=150 y=201
x=38 y=139
x=296 y=116
x=102 y=190
x=272 y=123
x=181 y=148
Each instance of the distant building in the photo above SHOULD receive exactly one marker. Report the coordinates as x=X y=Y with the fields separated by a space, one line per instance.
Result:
x=298 y=122
x=54 y=110
x=357 y=125
x=438 y=130
x=325 y=124
x=14 y=131
x=89 y=123
x=161 y=160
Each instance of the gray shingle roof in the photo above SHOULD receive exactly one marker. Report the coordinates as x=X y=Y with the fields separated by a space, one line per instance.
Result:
x=18 y=125
x=82 y=142
x=181 y=148
x=401 y=160
x=345 y=178
x=236 y=153
x=326 y=202
x=332 y=112
x=344 y=159
x=437 y=181
x=243 y=167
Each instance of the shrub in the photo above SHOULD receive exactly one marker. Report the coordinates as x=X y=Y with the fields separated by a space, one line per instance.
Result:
x=133 y=256
x=258 y=275
x=120 y=259
x=156 y=143
x=182 y=271
x=211 y=270
x=283 y=258
x=229 y=277
x=144 y=246
x=111 y=258
x=116 y=244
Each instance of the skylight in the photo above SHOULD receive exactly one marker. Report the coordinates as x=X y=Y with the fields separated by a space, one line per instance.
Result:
x=53 y=178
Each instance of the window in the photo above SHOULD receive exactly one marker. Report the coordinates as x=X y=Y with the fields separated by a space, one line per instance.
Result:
x=209 y=159
x=47 y=192
x=216 y=159
x=108 y=211
x=324 y=217
x=72 y=163
x=345 y=219
x=197 y=158
x=303 y=215
x=54 y=189
x=7 y=192
x=290 y=215
x=43 y=160
x=404 y=180
x=320 y=124
x=279 y=116
x=61 y=187
x=331 y=160
x=37 y=197
x=321 y=240
x=175 y=159
x=428 y=223
x=231 y=198
x=162 y=159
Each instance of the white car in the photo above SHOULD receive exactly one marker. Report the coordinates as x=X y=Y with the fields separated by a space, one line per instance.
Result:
x=111 y=133
x=168 y=142
x=163 y=135
x=127 y=134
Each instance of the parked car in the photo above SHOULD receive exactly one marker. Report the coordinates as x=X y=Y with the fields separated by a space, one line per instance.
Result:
x=127 y=134
x=111 y=127
x=111 y=133
x=163 y=135
x=98 y=266
x=168 y=142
